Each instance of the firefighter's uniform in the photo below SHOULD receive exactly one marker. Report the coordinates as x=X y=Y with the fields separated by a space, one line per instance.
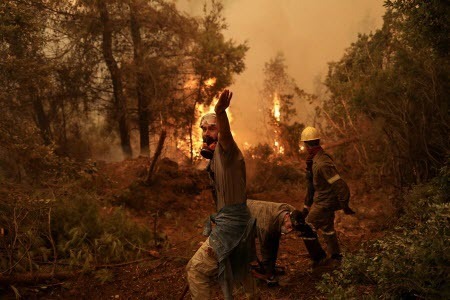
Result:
x=331 y=194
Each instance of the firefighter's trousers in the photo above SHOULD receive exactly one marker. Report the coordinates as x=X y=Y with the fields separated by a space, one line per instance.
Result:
x=322 y=218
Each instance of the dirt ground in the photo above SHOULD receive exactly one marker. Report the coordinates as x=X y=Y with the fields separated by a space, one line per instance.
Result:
x=162 y=275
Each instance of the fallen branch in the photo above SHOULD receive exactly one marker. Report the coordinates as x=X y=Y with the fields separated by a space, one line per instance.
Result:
x=29 y=278
x=185 y=290
x=105 y=266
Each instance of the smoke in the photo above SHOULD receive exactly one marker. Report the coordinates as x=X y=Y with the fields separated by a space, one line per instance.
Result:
x=309 y=33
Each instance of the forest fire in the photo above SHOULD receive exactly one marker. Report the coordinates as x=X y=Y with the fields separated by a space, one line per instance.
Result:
x=276 y=108
x=109 y=187
x=210 y=81
x=277 y=115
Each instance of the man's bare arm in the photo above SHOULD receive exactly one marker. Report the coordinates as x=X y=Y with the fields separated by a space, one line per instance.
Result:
x=223 y=125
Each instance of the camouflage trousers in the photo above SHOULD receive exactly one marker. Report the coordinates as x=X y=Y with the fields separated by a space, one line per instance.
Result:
x=322 y=218
x=202 y=272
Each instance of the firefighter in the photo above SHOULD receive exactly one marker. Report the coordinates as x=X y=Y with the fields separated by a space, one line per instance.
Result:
x=230 y=247
x=327 y=192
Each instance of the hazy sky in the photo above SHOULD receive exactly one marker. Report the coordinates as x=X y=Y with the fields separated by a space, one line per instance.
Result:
x=309 y=33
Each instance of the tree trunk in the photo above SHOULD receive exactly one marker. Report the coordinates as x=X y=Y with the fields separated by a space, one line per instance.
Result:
x=191 y=146
x=151 y=169
x=41 y=118
x=191 y=123
x=143 y=114
x=116 y=78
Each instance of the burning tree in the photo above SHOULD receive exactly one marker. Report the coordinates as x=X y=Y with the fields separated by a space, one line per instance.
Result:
x=280 y=94
x=213 y=63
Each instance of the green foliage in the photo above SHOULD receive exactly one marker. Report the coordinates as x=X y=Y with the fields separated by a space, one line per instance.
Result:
x=71 y=227
x=427 y=20
x=85 y=236
x=410 y=261
x=104 y=275
x=213 y=55
x=390 y=91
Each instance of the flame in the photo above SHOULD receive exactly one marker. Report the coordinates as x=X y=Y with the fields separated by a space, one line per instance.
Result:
x=276 y=107
x=278 y=148
x=277 y=115
x=302 y=148
x=210 y=81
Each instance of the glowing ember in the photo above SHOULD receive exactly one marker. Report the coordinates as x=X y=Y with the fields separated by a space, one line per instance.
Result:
x=276 y=107
x=210 y=81
x=278 y=148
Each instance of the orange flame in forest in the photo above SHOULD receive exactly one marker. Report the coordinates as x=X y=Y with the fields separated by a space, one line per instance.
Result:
x=277 y=115
x=276 y=107
x=210 y=81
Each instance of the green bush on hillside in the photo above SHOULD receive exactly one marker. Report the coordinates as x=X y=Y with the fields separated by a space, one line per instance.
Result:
x=411 y=260
x=82 y=233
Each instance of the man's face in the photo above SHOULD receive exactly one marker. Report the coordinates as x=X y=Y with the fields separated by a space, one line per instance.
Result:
x=287 y=225
x=210 y=130
x=210 y=135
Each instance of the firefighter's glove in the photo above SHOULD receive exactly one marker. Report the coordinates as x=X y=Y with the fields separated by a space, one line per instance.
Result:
x=348 y=211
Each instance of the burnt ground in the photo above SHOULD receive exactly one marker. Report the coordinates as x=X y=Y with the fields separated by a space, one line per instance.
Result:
x=176 y=205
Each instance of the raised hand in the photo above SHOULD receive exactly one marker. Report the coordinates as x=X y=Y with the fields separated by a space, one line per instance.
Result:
x=224 y=101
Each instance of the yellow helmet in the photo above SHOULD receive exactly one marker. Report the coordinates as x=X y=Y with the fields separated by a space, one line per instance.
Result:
x=309 y=134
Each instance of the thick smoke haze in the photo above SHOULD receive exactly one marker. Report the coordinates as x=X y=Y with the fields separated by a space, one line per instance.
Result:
x=309 y=34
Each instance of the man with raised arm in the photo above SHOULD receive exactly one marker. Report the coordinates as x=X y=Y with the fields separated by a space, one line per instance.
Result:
x=230 y=248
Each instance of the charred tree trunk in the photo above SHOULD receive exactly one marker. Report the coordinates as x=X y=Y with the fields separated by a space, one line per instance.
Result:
x=116 y=77
x=41 y=118
x=143 y=114
x=151 y=169
x=191 y=123
x=191 y=142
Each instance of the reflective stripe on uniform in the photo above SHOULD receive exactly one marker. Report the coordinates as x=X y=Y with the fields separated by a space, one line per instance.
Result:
x=328 y=232
x=334 y=179
x=312 y=227
x=309 y=239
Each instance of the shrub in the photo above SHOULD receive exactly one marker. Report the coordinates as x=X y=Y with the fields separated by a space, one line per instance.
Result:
x=85 y=236
x=82 y=233
x=411 y=260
